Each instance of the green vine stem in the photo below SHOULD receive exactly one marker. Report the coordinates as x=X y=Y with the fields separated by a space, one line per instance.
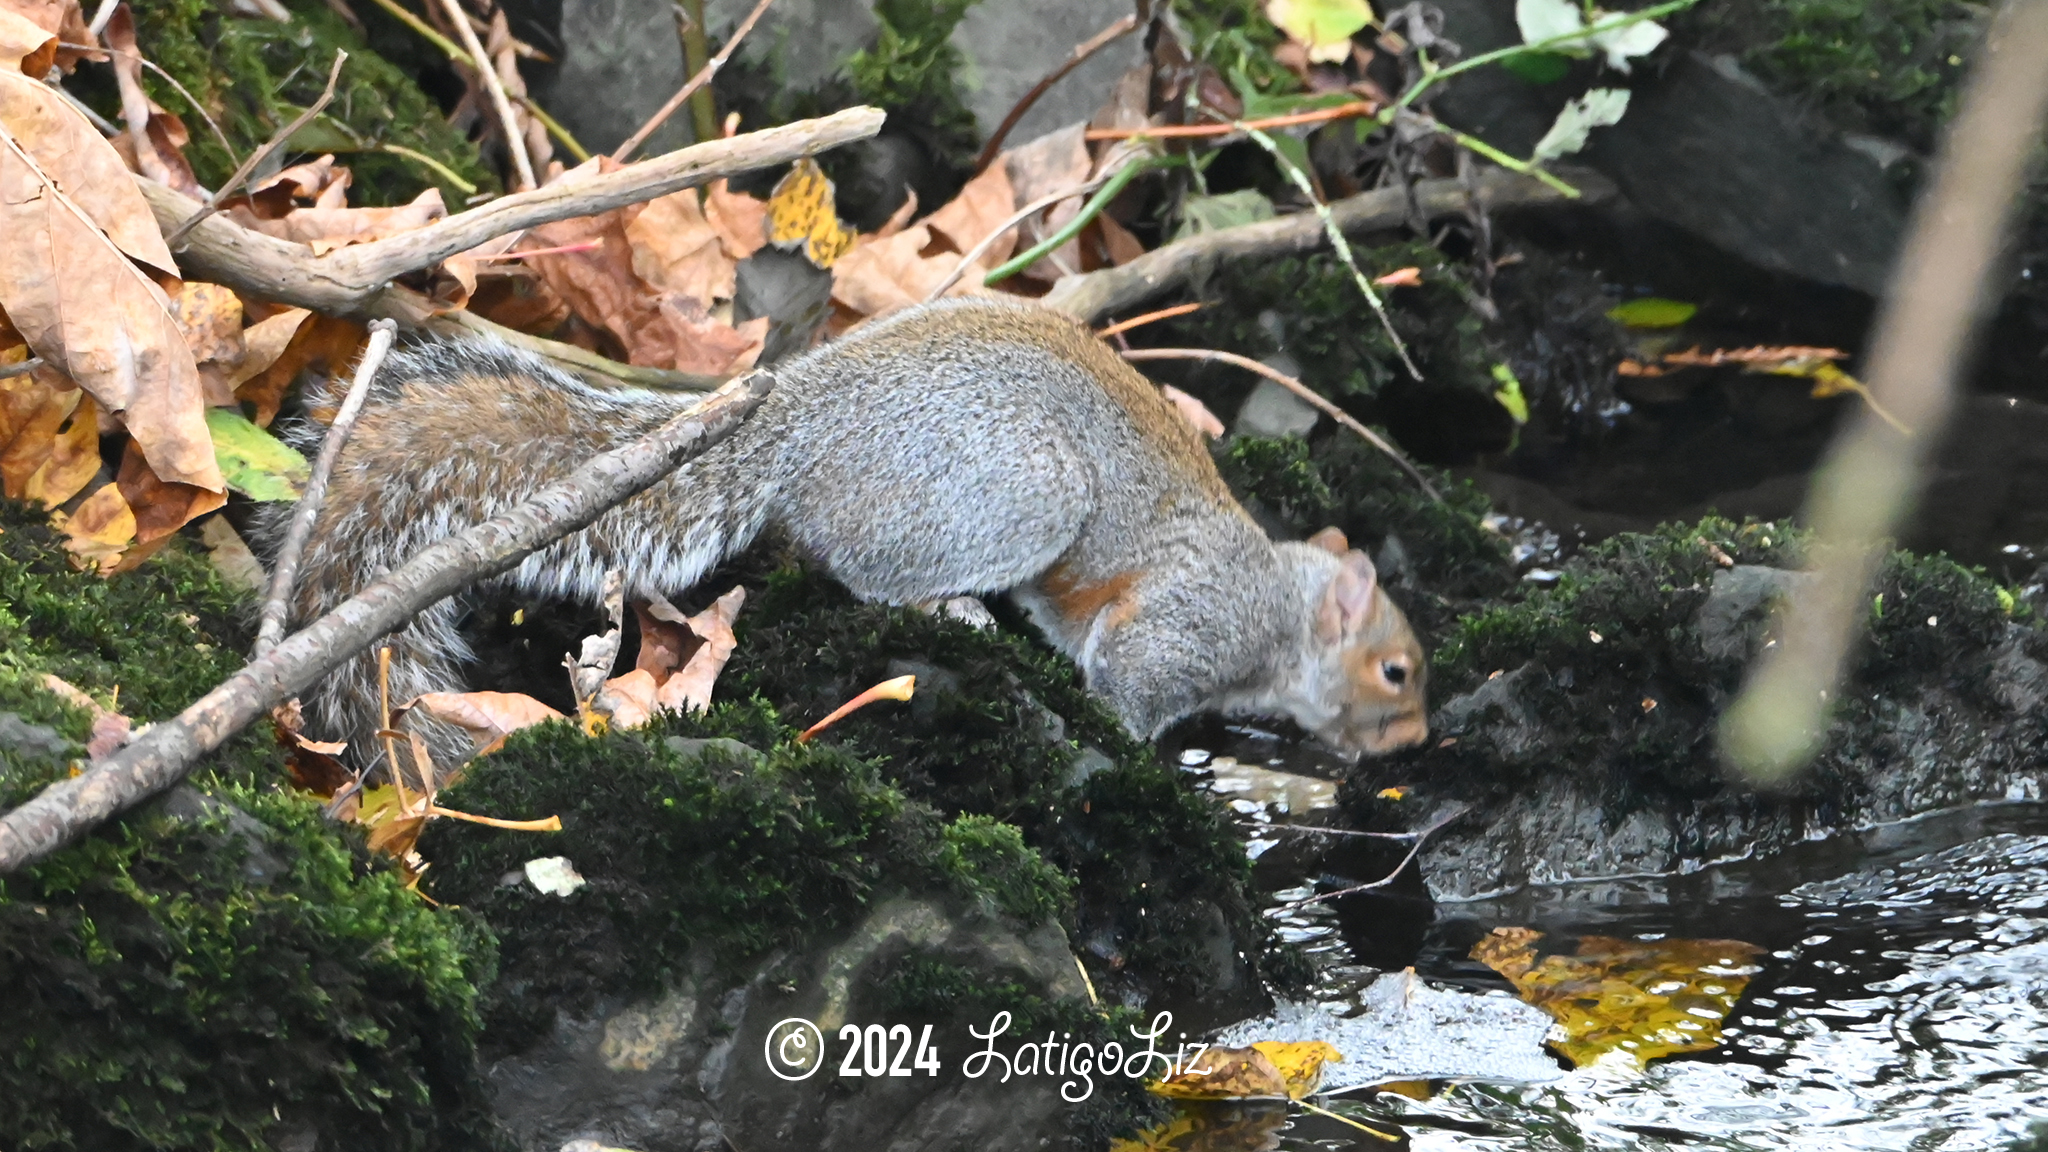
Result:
x=1072 y=228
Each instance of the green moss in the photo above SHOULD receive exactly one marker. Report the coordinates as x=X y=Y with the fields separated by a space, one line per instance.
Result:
x=991 y=861
x=253 y=76
x=913 y=71
x=1311 y=308
x=1236 y=39
x=222 y=978
x=1340 y=480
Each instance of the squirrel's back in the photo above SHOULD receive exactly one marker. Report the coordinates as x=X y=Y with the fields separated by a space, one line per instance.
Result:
x=966 y=447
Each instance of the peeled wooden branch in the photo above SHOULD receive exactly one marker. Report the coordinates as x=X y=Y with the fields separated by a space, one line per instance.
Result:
x=162 y=755
x=356 y=281
x=1093 y=296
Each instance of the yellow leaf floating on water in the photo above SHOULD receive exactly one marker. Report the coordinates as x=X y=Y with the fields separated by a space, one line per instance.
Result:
x=800 y=211
x=1644 y=998
x=1269 y=1069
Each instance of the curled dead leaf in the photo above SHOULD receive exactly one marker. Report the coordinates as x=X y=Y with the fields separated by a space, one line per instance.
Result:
x=488 y=717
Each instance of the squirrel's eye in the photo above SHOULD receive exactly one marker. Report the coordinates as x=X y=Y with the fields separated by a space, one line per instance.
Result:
x=1396 y=674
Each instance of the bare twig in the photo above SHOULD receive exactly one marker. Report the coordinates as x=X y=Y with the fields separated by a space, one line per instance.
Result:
x=1183 y=263
x=487 y=75
x=285 y=572
x=1123 y=326
x=101 y=15
x=1940 y=291
x=1230 y=127
x=1080 y=54
x=161 y=756
x=1299 y=389
x=257 y=157
x=632 y=143
x=9 y=371
x=356 y=280
x=1421 y=836
x=1000 y=230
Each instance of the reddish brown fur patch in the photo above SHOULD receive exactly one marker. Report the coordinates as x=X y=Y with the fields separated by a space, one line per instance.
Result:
x=1075 y=601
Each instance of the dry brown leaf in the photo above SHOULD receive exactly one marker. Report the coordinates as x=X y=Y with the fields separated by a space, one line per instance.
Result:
x=690 y=688
x=1117 y=242
x=741 y=220
x=91 y=313
x=264 y=342
x=210 y=316
x=62 y=20
x=676 y=249
x=1038 y=169
x=1193 y=411
x=631 y=700
x=156 y=138
x=160 y=507
x=326 y=229
x=49 y=437
x=98 y=532
x=81 y=162
x=322 y=344
x=25 y=46
x=665 y=638
x=880 y=276
x=488 y=717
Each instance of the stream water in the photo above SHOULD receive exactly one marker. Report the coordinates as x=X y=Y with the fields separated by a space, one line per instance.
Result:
x=1902 y=1002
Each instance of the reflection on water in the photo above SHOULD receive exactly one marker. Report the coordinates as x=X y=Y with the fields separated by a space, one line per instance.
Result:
x=1903 y=1002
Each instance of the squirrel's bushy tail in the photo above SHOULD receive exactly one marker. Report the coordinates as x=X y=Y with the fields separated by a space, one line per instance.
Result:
x=454 y=433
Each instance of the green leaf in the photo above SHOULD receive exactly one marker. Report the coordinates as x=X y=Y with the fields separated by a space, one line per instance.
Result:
x=255 y=463
x=1510 y=393
x=1199 y=214
x=1324 y=26
x=1653 y=312
x=1538 y=67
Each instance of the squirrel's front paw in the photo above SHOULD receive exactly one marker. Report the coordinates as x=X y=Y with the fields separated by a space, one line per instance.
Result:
x=966 y=609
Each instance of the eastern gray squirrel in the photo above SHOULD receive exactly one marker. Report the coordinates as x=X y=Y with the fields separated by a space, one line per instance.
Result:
x=966 y=447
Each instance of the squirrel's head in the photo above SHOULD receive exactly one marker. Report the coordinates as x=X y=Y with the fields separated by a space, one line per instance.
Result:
x=1363 y=671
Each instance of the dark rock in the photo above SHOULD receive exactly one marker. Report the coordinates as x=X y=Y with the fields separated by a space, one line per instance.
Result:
x=33 y=740
x=1706 y=148
x=1010 y=47
x=1739 y=606
x=692 y=747
x=620 y=61
x=793 y=293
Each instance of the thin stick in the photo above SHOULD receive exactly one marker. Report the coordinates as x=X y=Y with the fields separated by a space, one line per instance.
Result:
x=1179 y=131
x=1342 y=245
x=1343 y=1119
x=1122 y=326
x=166 y=751
x=515 y=140
x=1940 y=291
x=9 y=371
x=101 y=15
x=425 y=29
x=1075 y=59
x=384 y=723
x=277 y=605
x=1299 y=389
x=703 y=77
x=1021 y=215
x=1421 y=835
x=261 y=154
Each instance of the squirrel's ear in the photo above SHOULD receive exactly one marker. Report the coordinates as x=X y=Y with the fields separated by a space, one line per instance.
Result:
x=1331 y=540
x=1349 y=598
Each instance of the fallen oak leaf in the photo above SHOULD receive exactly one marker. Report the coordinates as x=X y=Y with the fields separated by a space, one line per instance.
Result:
x=84 y=308
x=156 y=139
x=74 y=154
x=488 y=717
x=689 y=690
x=26 y=46
x=98 y=530
x=49 y=436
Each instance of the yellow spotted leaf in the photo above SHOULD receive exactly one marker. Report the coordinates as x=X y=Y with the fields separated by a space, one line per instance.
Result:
x=1639 y=999
x=100 y=530
x=1226 y=1074
x=801 y=211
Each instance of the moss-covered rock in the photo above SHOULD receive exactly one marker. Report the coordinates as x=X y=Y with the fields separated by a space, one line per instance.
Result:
x=222 y=969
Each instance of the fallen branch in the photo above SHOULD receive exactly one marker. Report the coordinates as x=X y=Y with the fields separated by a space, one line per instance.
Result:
x=632 y=143
x=1173 y=267
x=285 y=573
x=1307 y=393
x=356 y=281
x=162 y=755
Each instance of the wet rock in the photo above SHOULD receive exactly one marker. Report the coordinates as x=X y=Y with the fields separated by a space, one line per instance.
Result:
x=689 y=1069
x=620 y=61
x=1010 y=47
x=793 y=293
x=1739 y=607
